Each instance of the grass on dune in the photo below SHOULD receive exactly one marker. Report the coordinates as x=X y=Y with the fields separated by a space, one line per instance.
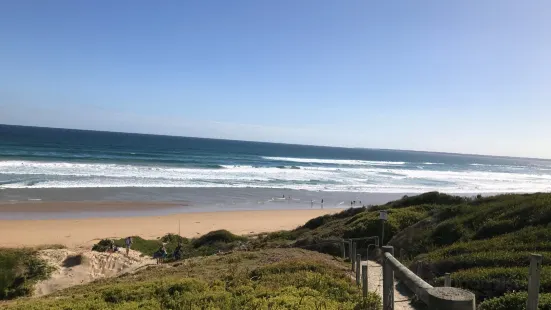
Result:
x=208 y=244
x=266 y=279
x=485 y=242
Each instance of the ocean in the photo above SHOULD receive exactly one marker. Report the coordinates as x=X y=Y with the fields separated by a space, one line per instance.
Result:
x=32 y=157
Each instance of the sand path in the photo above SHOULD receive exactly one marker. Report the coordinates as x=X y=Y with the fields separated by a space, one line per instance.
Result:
x=375 y=284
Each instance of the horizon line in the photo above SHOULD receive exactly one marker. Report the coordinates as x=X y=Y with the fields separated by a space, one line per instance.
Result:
x=282 y=143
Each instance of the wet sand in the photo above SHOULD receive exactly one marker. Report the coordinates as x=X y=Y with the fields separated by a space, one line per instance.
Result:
x=75 y=232
x=85 y=206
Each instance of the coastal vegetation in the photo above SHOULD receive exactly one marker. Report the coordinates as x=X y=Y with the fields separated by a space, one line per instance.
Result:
x=208 y=244
x=20 y=269
x=484 y=242
x=265 y=279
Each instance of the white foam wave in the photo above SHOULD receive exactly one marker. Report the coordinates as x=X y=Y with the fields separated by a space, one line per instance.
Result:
x=351 y=162
x=399 y=179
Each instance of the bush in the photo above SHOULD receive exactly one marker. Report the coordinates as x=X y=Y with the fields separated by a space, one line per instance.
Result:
x=103 y=245
x=147 y=247
x=496 y=281
x=317 y=222
x=449 y=232
x=19 y=270
x=173 y=238
x=494 y=228
x=292 y=267
x=217 y=236
x=440 y=265
x=426 y=198
x=515 y=301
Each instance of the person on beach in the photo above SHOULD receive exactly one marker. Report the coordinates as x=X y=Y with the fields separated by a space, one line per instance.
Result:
x=311 y=203
x=128 y=242
x=111 y=246
x=160 y=255
x=322 y=203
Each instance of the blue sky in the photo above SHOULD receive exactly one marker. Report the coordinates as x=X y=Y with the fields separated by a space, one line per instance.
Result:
x=466 y=76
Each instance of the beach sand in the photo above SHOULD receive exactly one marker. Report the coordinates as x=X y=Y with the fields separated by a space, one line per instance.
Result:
x=77 y=232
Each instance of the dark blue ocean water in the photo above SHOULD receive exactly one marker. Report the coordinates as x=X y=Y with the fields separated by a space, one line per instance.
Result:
x=32 y=157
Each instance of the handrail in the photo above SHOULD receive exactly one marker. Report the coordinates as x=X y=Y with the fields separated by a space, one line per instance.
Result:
x=417 y=285
x=438 y=298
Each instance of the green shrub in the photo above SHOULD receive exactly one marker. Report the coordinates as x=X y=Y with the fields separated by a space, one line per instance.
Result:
x=317 y=222
x=217 y=236
x=173 y=238
x=440 y=265
x=103 y=245
x=147 y=247
x=293 y=266
x=492 y=228
x=496 y=281
x=515 y=301
x=435 y=198
x=19 y=270
x=368 y=223
x=282 y=234
x=350 y=212
x=449 y=232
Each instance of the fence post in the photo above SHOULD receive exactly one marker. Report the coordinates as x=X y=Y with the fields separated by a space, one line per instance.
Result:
x=534 y=282
x=364 y=280
x=358 y=268
x=445 y=298
x=447 y=280
x=388 y=280
x=353 y=254
x=343 y=247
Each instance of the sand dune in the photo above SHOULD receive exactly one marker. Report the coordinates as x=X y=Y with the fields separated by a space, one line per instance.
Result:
x=75 y=267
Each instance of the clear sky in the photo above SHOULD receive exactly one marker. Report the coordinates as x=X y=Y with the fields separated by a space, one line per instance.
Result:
x=468 y=76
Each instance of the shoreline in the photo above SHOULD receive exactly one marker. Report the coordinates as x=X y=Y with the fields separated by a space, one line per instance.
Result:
x=84 y=232
x=40 y=204
x=84 y=206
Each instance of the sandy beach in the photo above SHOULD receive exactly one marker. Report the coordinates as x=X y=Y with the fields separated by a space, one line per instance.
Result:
x=85 y=231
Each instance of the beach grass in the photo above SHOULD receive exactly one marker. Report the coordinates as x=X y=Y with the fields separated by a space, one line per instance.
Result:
x=265 y=279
